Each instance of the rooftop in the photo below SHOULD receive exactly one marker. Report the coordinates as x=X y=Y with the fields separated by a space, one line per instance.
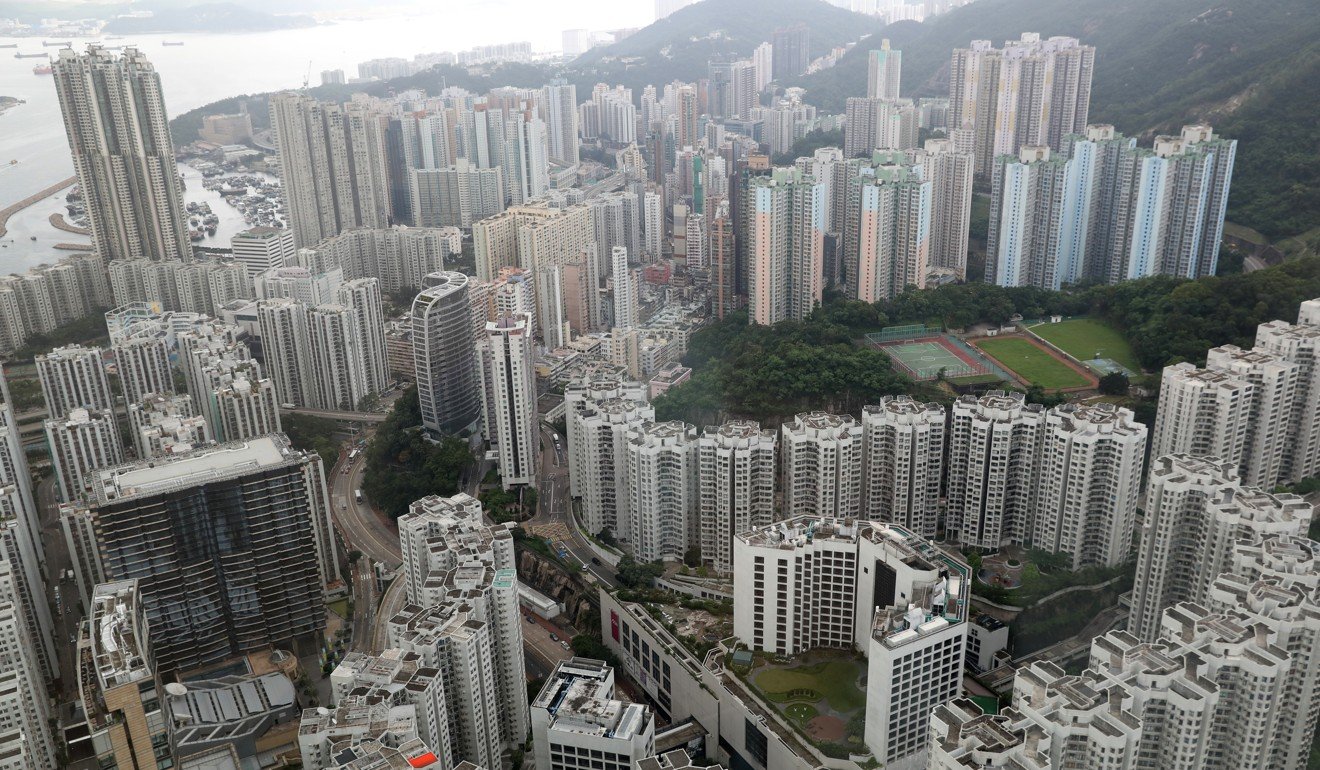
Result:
x=579 y=697
x=117 y=647
x=201 y=466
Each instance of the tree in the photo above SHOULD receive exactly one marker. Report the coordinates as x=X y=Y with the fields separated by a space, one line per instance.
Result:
x=588 y=646
x=317 y=434
x=692 y=557
x=633 y=574
x=403 y=465
x=1114 y=384
x=607 y=537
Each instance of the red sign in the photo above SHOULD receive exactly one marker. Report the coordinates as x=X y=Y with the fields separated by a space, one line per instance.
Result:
x=614 y=625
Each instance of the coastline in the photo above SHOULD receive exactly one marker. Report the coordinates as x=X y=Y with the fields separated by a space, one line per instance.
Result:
x=6 y=213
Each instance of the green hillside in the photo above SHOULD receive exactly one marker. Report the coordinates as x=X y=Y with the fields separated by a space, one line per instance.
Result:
x=678 y=46
x=1249 y=67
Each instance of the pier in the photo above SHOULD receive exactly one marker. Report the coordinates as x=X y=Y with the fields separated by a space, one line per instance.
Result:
x=8 y=212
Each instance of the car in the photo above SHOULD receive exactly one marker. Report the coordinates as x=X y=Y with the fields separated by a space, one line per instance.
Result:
x=73 y=638
x=528 y=618
x=566 y=645
x=595 y=560
x=554 y=637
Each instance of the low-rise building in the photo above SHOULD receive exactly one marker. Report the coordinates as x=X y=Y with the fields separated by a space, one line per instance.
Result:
x=579 y=724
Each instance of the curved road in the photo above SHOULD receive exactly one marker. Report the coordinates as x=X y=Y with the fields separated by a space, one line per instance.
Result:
x=362 y=527
x=377 y=537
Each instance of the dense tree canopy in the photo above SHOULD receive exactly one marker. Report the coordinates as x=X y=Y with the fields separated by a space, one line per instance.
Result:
x=771 y=373
x=402 y=466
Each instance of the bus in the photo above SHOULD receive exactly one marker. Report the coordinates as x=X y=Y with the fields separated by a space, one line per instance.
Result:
x=357 y=495
x=352 y=453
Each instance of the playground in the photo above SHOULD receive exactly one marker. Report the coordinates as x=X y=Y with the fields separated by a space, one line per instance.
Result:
x=927 y=354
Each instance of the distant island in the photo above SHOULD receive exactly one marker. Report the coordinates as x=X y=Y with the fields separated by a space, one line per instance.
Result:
x=8 y=102
x=208 y=17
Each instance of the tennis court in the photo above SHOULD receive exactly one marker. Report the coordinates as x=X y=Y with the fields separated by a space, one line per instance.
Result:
x=927 y=356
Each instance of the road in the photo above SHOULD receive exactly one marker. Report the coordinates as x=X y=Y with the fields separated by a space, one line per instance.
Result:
x=331 y=414
x=377 y=538
x=67 y=612
x=390 y=604
x=362 y=527
x=544 y=643
x=554 y=505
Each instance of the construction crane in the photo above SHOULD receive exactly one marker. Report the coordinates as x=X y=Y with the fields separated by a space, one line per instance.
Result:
x=307 y=78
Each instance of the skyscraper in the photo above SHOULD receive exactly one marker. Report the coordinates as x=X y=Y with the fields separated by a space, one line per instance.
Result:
x=25 y=716
x=119 y=136
x=822 y=465
x=1089 y=482
x=625 y=292
x=903 y=463
x=143 y=365
x=335 y=357
x=463 y=619
x=576 y=714
x=884 y=70
x=994 y=454
x=1028 y=243
x=662 y=483
x=333 y=166
x=455 y=196
x=785 y=245
x=248 y=407
x=71 y=377
x=20 y=535
x=263 y=248
x=1032 y=92
x=949 y=173
x=163 y=425
x=287 y=350
x=511 y=383
x=1224 y=683
x=362 y=296
x=447 y=388
x=791 y=54
x=887 y=229
x=1196 y=512
x=239 y=542
x=82 y=442
x=737 y=466
x=561 y=122
x=598 y=416
x=878 y=124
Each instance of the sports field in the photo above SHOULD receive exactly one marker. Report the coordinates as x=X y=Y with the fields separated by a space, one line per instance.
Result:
x=1083 y=338
x=926 y=356
x=1032 y=363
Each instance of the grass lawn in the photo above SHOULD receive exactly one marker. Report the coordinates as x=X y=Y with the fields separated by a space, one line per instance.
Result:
x=1082 y=337
x=1245 y=233
x=339 y=607
x=1032 y=363
x=835 y=680
x=801 y=711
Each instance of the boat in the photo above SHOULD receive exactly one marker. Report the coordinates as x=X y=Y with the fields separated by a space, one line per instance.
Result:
x=171 y=42
x=31 y=56
x=42 y=69
x=8 y=45
x=64 y=44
